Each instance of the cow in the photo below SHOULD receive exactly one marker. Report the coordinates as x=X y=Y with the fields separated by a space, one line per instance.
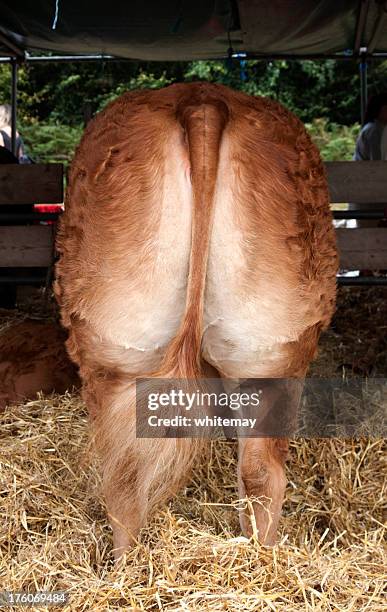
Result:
x=197 y=234
x=33 y=358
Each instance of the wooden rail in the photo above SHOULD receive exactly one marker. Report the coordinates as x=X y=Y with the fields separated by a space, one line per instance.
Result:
x=32 y=246
x=361 y=248
x=26 y=246
x=31 y=184
x=359 y=182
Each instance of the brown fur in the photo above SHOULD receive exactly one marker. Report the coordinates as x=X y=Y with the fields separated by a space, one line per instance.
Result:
x=33 y=358
x=110 y=242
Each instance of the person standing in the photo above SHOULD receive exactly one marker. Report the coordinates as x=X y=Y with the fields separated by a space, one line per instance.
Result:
x=370 y=146
x=384 y=144
x=368 y=143
x=6 y=133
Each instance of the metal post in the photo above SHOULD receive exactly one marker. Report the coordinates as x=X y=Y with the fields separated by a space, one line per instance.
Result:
x=14 y=104
x=363 y=88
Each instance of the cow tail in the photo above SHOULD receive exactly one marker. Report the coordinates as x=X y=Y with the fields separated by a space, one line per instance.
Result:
x=164 y=464
x=203 y=125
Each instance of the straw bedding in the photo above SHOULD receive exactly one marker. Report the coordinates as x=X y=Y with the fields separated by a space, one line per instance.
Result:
x=331 y=556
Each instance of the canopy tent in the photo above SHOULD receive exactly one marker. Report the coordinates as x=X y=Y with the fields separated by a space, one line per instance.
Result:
x=171 y=30
x=178 y=30
x=204 y=29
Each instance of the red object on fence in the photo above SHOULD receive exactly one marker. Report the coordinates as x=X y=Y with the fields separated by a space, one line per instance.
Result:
x=48 y=208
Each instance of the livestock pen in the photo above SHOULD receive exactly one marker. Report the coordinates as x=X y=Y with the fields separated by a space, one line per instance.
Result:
x=191 y=556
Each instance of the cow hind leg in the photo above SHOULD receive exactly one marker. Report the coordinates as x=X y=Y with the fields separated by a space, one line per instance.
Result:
x=262 y=483
x=138 y=473
x=261 y=461
x=127 y=511
x=151 y=474
x=262 y=455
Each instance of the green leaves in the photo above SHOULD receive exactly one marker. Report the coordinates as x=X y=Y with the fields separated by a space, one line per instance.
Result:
x=46 y=142
x=55 y=99
x=336 y=142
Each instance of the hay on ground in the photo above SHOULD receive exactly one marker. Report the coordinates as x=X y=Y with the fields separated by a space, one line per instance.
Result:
x=54 y=534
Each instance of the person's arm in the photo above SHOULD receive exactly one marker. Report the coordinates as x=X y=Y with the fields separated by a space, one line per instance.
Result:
x=20 y=150
x=383 y=144
x=361 y=149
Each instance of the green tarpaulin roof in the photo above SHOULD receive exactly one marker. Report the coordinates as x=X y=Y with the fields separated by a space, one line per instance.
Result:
x=198 y=29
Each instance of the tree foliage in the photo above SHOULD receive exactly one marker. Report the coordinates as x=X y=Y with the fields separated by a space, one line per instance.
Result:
x=54 y=99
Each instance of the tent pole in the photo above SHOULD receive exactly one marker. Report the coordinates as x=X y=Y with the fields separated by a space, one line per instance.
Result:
x=14 y=104
x=363 y=66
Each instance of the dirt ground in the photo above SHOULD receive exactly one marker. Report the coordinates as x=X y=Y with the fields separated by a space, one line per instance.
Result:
x=356 y=342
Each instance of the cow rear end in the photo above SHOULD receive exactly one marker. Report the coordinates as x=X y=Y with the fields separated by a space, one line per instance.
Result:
x=197 y=231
